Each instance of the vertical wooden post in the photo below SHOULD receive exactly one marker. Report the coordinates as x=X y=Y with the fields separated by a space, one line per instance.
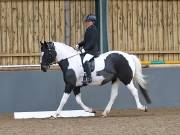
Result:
x=102 y=18
x=67 y=22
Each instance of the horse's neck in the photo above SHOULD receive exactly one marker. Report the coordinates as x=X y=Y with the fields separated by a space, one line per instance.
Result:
x=64 y=51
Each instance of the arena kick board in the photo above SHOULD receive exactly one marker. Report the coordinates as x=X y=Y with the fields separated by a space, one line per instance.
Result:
x=48 y=114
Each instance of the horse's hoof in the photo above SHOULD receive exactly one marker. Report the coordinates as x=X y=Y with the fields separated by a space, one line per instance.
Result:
x=55 y=116
x=93 y=111
x=104 y=115
x=146 y=109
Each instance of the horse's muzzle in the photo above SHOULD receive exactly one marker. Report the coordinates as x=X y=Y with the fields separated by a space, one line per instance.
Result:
x=44 y=68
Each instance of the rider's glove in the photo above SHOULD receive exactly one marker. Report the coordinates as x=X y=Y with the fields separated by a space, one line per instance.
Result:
x=83 y=51
x=77 y=46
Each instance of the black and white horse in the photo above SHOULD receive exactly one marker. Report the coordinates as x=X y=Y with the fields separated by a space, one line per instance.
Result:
x=114 y=66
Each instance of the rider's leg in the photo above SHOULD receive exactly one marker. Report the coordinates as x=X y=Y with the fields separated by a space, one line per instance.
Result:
x=87 y=67
x=88 y=71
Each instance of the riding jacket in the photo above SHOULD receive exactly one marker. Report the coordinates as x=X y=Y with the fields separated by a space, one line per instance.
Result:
x=91 y=41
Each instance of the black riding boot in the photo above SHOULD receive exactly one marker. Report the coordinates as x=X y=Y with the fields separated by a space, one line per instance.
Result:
x=88 y=72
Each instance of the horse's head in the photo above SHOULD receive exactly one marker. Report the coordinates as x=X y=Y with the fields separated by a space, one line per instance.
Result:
x=48 y=55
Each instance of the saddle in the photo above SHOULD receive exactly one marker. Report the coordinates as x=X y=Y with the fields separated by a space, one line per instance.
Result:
x=91 y=62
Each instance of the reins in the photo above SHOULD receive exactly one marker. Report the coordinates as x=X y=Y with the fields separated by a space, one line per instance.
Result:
x=72 y=55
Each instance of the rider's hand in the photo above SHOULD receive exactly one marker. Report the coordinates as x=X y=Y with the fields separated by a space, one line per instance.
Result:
x=83 y=51
x=77 y=46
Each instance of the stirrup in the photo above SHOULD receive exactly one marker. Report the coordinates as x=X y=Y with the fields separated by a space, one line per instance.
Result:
x=84 y=79
x=89 y=79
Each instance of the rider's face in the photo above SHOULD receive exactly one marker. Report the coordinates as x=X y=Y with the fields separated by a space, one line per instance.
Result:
x=88 y=23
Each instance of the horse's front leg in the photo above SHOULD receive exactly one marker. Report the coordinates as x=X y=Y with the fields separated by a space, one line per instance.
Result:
x=64 y=99
x=77 y=94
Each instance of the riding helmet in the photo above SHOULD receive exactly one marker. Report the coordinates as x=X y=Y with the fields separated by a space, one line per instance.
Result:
x=90 y=17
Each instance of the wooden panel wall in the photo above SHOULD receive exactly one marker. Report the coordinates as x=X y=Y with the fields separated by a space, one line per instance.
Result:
x=23 y=23
x=148 y=28
x=79 y=9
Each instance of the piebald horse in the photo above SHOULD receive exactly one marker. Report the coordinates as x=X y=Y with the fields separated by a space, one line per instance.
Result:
x=112 y=66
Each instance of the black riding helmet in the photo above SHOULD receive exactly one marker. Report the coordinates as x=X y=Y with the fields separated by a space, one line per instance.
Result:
x=90 y=17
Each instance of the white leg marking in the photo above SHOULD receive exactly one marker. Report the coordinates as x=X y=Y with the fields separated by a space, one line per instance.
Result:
x=62 y=103
x=114 y=93
x=79 y=101
x=42 y=53
x=134 y=92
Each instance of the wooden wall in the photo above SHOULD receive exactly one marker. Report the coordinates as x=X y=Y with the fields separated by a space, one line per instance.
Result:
x=148 y=28
x=78 y=10
x=23 y=23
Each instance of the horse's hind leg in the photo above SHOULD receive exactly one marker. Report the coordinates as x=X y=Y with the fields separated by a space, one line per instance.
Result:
x=134 y=92
x=114 y=93
x=77 y=94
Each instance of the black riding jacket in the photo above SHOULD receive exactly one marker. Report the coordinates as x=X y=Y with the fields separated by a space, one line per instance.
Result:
x=91 y=41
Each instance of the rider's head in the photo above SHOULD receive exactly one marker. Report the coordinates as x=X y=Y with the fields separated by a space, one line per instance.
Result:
x=90 y=20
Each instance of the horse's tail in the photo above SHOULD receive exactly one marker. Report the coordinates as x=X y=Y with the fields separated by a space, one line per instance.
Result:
x=139 y=77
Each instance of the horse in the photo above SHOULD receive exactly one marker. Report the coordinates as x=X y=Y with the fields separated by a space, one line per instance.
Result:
x=112 y=66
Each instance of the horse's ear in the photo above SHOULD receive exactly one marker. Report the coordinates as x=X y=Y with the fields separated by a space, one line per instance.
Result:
x=45 y=44
x=41 y=43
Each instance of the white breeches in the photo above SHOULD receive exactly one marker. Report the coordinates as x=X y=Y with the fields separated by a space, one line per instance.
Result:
x=87 y=57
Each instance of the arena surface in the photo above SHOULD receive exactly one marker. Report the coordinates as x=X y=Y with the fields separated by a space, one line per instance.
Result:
x=126 y=122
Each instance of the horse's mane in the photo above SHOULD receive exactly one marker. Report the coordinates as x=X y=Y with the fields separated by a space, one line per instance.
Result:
x=66 y=46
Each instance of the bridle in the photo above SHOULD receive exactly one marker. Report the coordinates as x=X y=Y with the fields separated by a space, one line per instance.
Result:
x=54 y=53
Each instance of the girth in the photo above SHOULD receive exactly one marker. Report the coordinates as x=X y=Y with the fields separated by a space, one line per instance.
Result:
x=91 y=62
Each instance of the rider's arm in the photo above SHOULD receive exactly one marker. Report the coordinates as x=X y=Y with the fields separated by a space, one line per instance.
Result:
x=90 y=40
x=82 y=43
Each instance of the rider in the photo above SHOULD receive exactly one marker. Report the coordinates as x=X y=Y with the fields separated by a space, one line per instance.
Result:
x=89 y=45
